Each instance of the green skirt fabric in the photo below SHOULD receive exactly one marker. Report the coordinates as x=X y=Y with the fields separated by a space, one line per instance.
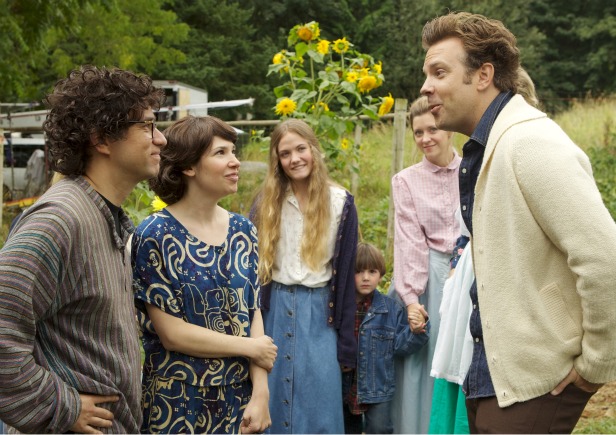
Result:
x=448 y=415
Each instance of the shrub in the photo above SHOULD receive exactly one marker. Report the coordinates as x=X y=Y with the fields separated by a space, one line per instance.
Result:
x=603 y=160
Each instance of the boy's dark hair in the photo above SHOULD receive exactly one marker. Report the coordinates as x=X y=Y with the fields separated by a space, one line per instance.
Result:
x=187 y=140
x=91 y=105
x=369 y=257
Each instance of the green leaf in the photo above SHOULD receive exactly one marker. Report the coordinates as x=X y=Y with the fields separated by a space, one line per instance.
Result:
x=324 y=84
x=348 y=87
x=315 y=55
x=344 y=101
x=301 y=48
x=371 y=112
x=276 y=68
x=279 y=91
x=298 y=72
x=299 y=94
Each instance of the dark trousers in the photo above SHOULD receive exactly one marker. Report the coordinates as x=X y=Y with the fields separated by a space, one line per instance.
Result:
x=376 y=420
x=353 y=423
x=544 y=414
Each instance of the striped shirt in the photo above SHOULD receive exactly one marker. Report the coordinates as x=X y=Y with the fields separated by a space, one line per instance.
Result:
x=426 y=197
x=67 y=319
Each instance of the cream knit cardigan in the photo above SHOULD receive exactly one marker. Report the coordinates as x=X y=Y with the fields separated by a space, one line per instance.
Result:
x=544 y=250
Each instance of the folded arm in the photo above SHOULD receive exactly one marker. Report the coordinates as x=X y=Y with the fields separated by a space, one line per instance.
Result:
x=179 y=336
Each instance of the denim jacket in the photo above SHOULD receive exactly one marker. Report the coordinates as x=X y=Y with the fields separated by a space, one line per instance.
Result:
x=383 y=333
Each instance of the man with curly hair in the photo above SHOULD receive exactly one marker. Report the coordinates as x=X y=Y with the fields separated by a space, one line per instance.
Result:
x=69 y=352
x=544 y=298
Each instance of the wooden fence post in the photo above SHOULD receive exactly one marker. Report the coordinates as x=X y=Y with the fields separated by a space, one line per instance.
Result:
x=397 y=164
x=355 y=163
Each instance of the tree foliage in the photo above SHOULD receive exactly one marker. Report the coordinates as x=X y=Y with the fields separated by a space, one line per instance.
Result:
x=131 y=34
x=225 y=46
x=224 y=53
x=23 y=23
x=579 y=48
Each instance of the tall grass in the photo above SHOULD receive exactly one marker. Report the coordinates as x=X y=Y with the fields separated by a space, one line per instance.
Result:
x=590 y=123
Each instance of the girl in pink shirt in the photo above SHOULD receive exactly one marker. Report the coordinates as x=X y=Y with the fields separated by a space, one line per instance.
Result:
x=426 y=197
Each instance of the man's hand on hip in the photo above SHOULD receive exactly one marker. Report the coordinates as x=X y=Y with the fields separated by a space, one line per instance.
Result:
x=574 y=378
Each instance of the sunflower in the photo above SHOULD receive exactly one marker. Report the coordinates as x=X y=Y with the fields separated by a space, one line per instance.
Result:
x=304 y=33
x=309 y=32
x=158 y=204
x=345 y=143
x=323 y=46
x=367 y=83
x=278 y=58
x=386 y=105
x=285 y=107
x=378 y=67
x=341 y=45
x=352 y=76
x=316 y=31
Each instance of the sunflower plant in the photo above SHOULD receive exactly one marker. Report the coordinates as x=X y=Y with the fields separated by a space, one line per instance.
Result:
x=140 y=203
x=328 y=84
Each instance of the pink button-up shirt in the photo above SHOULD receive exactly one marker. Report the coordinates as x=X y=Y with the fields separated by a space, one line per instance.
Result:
x=426 y=197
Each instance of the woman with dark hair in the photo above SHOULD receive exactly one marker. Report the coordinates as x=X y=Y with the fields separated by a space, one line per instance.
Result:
x=197 y=292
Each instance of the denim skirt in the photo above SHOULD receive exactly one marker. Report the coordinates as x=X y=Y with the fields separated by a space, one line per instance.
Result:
x=305 y=384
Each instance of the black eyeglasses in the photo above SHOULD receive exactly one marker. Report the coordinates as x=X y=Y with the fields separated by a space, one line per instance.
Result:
x=150 y=122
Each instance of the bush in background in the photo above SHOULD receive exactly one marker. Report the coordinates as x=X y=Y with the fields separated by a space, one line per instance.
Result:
x=603 y=160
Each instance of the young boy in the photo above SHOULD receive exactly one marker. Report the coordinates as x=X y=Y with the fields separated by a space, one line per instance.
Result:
x=382 y=330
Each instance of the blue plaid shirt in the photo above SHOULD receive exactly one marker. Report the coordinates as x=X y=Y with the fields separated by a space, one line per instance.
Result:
x=478 y=382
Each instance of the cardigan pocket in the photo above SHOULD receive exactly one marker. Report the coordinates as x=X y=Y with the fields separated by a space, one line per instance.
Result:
x=557 y=312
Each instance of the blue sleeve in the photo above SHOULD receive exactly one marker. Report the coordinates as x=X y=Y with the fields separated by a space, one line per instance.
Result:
x=457 y=251
x=406 y=342
x=152 y=283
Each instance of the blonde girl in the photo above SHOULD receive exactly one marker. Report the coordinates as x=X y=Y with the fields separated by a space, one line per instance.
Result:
x=307 y=228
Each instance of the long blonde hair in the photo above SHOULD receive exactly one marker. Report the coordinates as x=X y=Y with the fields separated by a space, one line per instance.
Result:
x=526 y=88
x=317 y=214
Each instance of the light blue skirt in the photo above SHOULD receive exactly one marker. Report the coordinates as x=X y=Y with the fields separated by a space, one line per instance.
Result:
x=305 y=384
x=412 y=400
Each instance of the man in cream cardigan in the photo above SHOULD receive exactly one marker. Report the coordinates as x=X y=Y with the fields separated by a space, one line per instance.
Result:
x=544 y=301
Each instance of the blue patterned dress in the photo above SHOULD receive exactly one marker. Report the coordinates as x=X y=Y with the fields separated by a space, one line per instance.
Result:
x=215 y=287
